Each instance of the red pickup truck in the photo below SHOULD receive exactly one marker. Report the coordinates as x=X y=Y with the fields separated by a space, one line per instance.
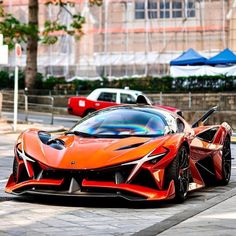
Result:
x=105 y=97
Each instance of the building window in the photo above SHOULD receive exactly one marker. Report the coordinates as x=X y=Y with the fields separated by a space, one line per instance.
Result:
x=140 y=10
x=164 y=9
x=191 y=11
x=152 y=9
x=177 y=9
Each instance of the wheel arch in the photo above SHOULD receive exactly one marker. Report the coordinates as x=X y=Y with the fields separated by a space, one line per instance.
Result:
x=88 y=110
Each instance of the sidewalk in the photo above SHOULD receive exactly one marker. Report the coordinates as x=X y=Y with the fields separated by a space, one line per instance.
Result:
x=217 y=220
x=7 y=128
x=216 y=216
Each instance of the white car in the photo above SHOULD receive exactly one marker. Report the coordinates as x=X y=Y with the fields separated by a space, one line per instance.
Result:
x=101 y=98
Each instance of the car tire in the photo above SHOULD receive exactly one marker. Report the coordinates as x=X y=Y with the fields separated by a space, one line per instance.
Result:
x=15 y=170
x=88 y=111
x=226 y=162
x=178 y=171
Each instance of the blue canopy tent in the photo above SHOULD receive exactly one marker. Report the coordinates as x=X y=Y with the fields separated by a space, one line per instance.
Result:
x=189 y=57
x=224 y=57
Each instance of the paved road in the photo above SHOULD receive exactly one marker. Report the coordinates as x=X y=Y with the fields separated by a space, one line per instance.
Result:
x=45 y=118
x=65 y=216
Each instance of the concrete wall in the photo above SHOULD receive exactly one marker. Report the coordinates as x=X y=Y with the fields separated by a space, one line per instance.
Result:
x=194 y=105
x=217 y=118
x=197 y=101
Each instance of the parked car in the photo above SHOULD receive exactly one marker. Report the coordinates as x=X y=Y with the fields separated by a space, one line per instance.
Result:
x=103 y=98
x=99 y=99
x=135 y=152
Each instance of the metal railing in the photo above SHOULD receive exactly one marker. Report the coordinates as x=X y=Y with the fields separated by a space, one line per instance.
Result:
x=50 y=105
x=185 y=101
x=29 y=103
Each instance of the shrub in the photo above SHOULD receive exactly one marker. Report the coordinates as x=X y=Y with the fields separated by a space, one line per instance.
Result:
x=4 y=79
x=50 y=82
x=219 y=83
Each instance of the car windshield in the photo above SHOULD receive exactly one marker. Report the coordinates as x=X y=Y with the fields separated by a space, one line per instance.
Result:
x=123 y=122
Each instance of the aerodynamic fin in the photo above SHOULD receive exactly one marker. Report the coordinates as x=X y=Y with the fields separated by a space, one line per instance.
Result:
x=204 y=118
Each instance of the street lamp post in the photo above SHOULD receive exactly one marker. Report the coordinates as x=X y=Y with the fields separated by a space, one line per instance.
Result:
x=17 y=57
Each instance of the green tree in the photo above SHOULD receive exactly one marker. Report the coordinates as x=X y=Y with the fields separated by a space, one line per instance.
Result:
x=15 y=31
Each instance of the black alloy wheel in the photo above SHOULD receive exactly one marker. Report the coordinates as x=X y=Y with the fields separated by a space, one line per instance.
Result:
x=226 y=162
x=179 y=171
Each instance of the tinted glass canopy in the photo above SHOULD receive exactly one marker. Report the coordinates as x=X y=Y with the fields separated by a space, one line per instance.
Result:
x=127 y=121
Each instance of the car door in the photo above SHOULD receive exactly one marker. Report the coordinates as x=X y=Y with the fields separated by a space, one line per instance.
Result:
x=205 y=154
x=106 y=99
x=127 y=98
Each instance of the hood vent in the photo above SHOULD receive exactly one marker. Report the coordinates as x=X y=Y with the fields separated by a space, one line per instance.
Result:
x=130 y=146
x=56 y=143
x=44 y=136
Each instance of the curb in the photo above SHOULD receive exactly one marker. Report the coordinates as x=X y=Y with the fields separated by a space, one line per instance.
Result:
x=7 y=127
x=233 y=138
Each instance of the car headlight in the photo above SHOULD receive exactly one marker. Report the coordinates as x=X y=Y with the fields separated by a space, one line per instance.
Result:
x=21 y=154
x=156 y=154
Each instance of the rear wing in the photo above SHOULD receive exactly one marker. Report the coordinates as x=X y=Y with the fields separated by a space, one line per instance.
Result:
x=204 y=118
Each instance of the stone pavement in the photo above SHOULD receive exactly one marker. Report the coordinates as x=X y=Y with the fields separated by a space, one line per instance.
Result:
x=217 y=220
x=215 y=216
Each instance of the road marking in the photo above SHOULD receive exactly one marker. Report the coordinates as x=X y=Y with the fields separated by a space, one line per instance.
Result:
x=36 y=120
x=65 y=118
x=3 y=180
x=5 y=147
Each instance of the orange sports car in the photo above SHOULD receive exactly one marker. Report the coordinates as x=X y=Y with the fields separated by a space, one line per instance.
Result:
x=136 y=152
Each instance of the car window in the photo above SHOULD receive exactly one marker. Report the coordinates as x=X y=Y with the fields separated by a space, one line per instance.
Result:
x=107 y=97
x=127 y=98
x=123 y=121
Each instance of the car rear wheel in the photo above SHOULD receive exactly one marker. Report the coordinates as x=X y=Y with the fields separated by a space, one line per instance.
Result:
x=89 y=111
x=226 y=162
x=178 y=171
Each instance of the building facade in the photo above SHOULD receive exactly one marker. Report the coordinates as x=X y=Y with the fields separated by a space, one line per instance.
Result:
x=134 y=37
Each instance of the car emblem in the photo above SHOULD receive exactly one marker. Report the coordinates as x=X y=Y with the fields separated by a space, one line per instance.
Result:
x=73 y=162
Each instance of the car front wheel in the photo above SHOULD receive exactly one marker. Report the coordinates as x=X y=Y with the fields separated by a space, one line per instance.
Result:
x=178 y=171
